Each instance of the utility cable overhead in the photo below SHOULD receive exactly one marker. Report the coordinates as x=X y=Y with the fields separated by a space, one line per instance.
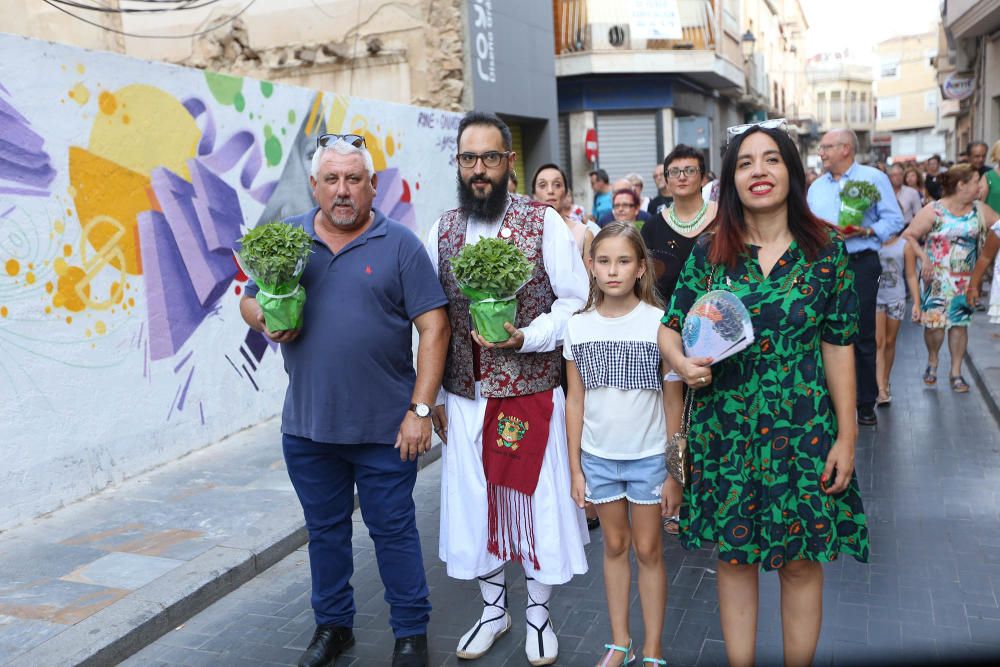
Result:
x=186 y=5
x=56 y=5
x=161 y=6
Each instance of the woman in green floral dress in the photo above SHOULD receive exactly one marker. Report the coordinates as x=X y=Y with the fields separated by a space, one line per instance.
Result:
x=772 y=428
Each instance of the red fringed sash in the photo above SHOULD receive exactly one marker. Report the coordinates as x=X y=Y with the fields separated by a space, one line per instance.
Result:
x=515 y=433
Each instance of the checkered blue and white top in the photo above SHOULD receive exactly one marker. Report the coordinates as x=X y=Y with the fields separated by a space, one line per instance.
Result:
x=624 y=364
x=619 y=363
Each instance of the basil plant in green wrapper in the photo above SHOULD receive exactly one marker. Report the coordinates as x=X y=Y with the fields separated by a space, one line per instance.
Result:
x=490 y=272
x=856 y=197
x=274 y=255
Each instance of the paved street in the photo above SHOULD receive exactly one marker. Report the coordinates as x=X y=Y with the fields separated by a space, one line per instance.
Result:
x=929 y=475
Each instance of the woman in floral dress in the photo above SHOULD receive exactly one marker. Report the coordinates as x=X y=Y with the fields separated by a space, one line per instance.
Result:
x=953 y=227
x=773 y=428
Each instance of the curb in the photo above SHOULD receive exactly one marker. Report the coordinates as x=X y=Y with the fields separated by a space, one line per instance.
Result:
x=990 y=395
x=146 y=614
x=984 y=389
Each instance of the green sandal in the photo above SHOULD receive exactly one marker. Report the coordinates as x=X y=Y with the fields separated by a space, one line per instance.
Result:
x=654 y=661
x=612 y=648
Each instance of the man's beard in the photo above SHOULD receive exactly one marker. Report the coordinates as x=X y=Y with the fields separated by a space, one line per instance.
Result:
x=489 y=207
x=343 y=222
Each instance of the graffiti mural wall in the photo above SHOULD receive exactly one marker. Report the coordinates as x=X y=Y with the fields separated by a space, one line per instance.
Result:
x=123 y=186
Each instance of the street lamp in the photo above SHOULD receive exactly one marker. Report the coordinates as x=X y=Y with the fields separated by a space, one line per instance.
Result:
x=747 y=42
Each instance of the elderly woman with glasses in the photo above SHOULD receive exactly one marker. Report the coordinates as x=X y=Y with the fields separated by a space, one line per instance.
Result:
x=625 y=207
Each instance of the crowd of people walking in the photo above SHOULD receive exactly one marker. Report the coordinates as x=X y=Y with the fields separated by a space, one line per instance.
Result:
x=563 y=427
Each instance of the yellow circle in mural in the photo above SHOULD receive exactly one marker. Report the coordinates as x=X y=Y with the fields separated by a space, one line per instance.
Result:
x=141 y=127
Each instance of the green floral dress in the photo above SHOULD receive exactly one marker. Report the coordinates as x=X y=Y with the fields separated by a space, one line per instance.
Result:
x=760 y=433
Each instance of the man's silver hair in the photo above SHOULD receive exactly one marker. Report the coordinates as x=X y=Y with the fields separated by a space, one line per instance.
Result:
x=635 y=178
x=849 y=136
x=341 y=147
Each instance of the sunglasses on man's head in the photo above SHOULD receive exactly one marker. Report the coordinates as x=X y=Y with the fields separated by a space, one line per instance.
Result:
x=355 y=140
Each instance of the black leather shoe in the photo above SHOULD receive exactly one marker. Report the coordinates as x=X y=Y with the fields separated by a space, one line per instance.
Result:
x=866 y=415
x=410 y=652
x=328 y=642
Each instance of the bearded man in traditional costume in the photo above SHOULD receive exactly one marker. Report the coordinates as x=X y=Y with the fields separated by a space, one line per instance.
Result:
x=505 y=487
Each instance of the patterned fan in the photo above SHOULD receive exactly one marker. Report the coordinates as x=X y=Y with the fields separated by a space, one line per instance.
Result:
x=717 y=326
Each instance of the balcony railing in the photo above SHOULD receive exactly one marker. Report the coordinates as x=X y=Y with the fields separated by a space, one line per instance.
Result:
x=603 y=25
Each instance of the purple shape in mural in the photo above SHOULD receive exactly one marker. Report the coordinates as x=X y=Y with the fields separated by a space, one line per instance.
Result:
x=392 y=198
x=218 y=208
x=210 y=272
x=172 y=303
x=24 y=166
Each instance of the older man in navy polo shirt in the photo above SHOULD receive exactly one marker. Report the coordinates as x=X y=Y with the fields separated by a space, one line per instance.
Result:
x=882 y=220
x=355 y=411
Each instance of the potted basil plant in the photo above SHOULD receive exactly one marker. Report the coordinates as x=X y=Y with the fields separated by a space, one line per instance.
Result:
x=491 y=272
x=274 y=255
x=856 y=197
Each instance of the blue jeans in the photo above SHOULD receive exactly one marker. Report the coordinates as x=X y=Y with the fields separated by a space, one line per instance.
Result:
x=324 y=476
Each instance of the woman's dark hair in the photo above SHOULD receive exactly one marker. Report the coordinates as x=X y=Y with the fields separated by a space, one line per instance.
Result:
x=682 y=151
x=960 y=173
x=729 y=240
x=550 y=165
x=485 y=118
x=630 y=193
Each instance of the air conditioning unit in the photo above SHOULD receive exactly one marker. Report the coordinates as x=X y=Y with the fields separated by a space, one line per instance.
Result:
x=610 y=36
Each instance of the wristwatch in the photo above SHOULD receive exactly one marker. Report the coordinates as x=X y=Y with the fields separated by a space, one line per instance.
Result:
x=422 y=410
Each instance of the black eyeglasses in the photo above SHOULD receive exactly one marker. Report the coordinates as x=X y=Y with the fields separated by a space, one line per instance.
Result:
x=355 y=140
x=674 y=172
x=490 y=159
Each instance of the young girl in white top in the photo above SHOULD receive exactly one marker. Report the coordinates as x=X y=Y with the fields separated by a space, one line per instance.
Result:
x=617 y=415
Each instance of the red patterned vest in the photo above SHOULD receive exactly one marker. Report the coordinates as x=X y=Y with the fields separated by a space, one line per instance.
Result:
x=504 y=372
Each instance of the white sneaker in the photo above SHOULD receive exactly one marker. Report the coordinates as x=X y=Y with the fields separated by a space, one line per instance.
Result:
x=478 y=640
x=541 y=645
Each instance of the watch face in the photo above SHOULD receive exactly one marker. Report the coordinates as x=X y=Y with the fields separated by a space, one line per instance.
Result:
x=422 y=410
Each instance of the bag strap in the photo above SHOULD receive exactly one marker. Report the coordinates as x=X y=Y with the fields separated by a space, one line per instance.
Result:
x=686 y=415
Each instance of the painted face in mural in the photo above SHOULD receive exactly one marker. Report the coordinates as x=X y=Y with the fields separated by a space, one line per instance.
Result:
x=344 y=190
x=482 y=190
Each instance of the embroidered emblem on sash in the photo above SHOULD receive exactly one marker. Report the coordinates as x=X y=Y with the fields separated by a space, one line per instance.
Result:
x=511 y=430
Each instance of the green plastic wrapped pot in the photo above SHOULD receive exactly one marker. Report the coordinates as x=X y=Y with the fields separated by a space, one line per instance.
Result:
x=282 y=305
x=852 y=211
x=489 y=315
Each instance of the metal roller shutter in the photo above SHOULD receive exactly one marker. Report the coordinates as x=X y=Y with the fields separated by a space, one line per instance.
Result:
x=517 y=145
x=565 y=161
x=627 y=143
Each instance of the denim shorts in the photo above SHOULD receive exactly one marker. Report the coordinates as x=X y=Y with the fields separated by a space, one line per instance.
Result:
x=640 y=481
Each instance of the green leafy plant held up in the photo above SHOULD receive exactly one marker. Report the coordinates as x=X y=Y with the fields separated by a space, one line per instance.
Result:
x=274 y=255
x=490 y=272
x=493 y=266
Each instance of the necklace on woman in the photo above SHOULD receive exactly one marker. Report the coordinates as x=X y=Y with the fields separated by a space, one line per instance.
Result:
x=692 y=223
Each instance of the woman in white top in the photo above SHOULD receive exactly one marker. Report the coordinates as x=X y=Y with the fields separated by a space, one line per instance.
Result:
x=617 y=417
x=549 y=187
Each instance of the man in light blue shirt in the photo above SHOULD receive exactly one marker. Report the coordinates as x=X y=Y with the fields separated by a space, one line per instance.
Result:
x=881 y=221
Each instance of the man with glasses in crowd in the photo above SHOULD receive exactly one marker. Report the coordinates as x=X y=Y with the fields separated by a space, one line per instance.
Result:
x=662 y=198
x=882 y=220
x=500 y=503
x=355 y=413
